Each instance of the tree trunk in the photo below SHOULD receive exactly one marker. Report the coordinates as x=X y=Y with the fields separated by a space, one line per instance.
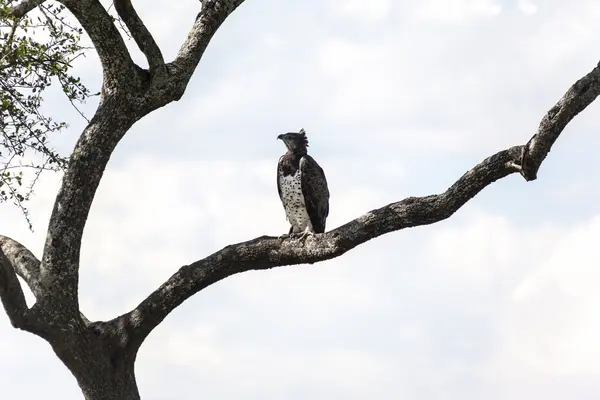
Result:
x=115 y=384
x=101 y=363
x=108 y=382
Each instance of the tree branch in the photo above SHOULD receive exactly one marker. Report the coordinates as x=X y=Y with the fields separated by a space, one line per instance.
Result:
x=142 y=36
x=268 y=252
x=24 y=263
x=60 y=260
x=575 y=100
x=11 y=294
x=210 y=18
x=16 y=259
x=24 y=7
x=117 y=65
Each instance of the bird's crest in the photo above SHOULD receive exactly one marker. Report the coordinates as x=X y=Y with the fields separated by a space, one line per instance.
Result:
x=303 y=133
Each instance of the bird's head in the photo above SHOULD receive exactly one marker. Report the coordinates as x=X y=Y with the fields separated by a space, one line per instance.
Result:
x=296 y=142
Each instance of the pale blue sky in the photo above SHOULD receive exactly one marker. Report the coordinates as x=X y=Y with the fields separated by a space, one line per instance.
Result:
x=398 y=99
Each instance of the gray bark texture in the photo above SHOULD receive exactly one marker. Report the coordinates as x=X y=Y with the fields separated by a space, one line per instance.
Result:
x=101 y=354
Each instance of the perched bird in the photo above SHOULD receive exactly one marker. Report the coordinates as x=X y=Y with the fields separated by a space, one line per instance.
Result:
x=302 y=187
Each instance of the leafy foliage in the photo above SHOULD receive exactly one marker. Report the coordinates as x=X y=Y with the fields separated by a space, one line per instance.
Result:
x=35 y=51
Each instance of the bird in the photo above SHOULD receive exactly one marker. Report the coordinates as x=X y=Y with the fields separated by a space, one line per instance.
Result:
x=302 y=188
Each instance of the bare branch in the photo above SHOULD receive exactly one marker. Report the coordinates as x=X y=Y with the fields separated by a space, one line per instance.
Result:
x=24 y=7
x=268 y=252
x=575 y=100
x=142 y=36
x=116 y=61
x=212 y=15
x=24 y=263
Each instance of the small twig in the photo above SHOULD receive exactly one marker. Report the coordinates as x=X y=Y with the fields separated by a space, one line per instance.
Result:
x=7 y=49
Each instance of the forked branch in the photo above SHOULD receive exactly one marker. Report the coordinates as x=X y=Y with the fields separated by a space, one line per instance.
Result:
x=117 y=65
x=142 y=36
x=16 y=259
x=268 y=252
x=210 y=18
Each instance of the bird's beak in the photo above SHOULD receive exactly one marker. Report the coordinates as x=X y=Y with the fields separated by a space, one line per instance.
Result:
x=280 y=137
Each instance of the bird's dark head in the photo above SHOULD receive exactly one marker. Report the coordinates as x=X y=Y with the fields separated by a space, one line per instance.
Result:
x=296 y=142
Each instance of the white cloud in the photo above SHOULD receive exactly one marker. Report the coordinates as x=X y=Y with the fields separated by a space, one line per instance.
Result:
x=362 y=74
x=527 y=7
x=545 y=317
x=570 y=265
x=359 y=10
x=456 y=11
x=478 y=251
x=556 y=40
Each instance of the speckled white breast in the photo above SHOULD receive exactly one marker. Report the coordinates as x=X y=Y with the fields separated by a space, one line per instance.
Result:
x=293 y=202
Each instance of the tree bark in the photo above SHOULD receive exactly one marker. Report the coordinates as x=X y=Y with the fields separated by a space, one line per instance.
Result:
x=116 y=384
x=96 y=355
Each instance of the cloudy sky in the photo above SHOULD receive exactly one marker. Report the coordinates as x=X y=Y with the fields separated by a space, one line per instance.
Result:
x=398 y=98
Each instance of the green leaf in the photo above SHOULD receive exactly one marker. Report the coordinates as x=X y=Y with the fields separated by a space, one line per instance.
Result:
x=34 y=56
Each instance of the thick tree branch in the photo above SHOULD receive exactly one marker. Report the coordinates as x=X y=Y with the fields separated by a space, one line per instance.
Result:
x=24 y=7
x=11 y=294
x=117 y=65
x=575 y=100
x=142 y=36
x=16 y=259
x=212 y=15
x=268 y=252
x=24 y=263
x=60 y=260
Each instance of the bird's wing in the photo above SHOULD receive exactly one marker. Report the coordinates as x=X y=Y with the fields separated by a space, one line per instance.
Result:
x=279 y=178
x=315 y=191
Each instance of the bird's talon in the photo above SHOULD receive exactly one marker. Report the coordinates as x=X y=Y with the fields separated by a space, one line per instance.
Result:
x=304 y=235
